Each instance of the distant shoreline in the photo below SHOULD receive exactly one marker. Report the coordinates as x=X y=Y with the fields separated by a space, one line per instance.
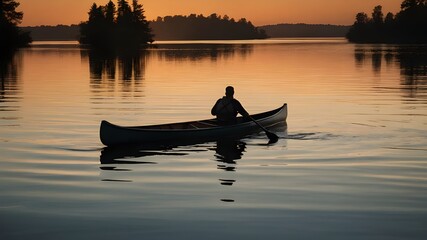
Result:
x=71 y=32
x=76 y=44
x=306 y=30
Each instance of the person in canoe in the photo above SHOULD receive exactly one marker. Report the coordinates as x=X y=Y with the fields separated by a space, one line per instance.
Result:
x=227 y=108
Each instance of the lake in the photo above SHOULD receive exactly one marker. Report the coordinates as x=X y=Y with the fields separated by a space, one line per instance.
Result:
x=351 y=163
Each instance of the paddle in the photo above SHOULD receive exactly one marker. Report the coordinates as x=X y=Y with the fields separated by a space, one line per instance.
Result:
x=273 y=137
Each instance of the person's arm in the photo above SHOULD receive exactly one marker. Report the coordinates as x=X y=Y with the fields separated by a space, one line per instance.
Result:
x=241 y=109
x=213 y=110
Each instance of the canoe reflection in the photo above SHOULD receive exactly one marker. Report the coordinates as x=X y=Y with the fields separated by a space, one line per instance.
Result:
x=227 y=152
x=126 y=154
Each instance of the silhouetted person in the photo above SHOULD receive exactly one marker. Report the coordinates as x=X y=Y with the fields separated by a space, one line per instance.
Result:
x=227 y=108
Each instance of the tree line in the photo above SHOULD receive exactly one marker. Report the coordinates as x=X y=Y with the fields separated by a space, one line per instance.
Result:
x=407 y=26
x=72 y=32
x=54 y=33
x=199 y=27
x=305 y=30
x=11 y=36
x=111 y=27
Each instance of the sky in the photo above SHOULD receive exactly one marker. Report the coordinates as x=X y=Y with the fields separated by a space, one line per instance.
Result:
x=259 y=12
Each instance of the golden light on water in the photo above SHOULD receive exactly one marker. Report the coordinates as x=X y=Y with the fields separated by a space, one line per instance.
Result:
x=353 y=149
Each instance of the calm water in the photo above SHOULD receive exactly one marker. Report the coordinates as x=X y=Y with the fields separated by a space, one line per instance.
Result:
x=351 y=164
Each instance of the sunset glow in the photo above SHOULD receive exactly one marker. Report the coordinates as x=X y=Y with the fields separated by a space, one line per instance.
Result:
x=46 y=12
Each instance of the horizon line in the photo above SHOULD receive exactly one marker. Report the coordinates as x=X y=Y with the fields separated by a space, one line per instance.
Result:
x=273 y=24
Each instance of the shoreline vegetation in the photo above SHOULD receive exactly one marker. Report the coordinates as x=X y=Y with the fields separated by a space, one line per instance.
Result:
x=199 y=27
x=406 y=27
x=125 y=26
x=111 y=27
x=71 y=32
x=305 y=30
x=12 y=37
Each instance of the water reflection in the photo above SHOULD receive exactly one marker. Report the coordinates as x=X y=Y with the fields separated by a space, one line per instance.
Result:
x=128 y=154
x=377 y=57
x=227 y=151
x=362 y=55
x=197 y=52
x=413 y=63
x=411 y=59
x=116 y=71
x=8 y=74
x=130 y=65
x=122 y=74
x=9 y=83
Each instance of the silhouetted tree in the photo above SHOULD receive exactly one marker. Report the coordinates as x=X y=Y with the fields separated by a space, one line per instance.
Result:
x=407 y=26
x=360 y=29
x=141 y=25
x=412 y=21
x=389 y=18
x=411 y=4
x=96 y=30
x=377 y=15
x=11 y=36
x=123 y=27
x=362 y=18
x=124 y=12
x=110 y=12
x=199 y=27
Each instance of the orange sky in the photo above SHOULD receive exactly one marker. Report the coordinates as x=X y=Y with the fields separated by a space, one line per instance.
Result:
x=260 y=12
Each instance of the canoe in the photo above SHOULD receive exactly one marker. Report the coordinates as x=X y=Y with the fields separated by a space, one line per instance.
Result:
x=194 y=131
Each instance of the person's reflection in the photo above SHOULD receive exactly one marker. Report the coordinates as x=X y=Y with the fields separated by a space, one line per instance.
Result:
x=227 y=151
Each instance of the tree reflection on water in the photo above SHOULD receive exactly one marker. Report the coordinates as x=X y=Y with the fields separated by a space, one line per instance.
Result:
x=9 y=82
x=411 y=59
x=198 y=52
x=106 y=67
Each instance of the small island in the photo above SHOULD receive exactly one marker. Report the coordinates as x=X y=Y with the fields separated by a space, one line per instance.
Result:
x=199 y=27
x=126 y=26
x=12 y=36
x=407 y=26
x=111 y=27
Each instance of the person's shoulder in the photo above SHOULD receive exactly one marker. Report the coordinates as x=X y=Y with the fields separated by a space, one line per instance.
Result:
x=236 y=101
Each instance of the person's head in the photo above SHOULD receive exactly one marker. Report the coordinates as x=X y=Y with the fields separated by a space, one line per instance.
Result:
x=229 y=91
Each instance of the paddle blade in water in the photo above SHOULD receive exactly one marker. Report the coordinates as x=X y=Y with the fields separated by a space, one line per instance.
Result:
x=273 y=137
